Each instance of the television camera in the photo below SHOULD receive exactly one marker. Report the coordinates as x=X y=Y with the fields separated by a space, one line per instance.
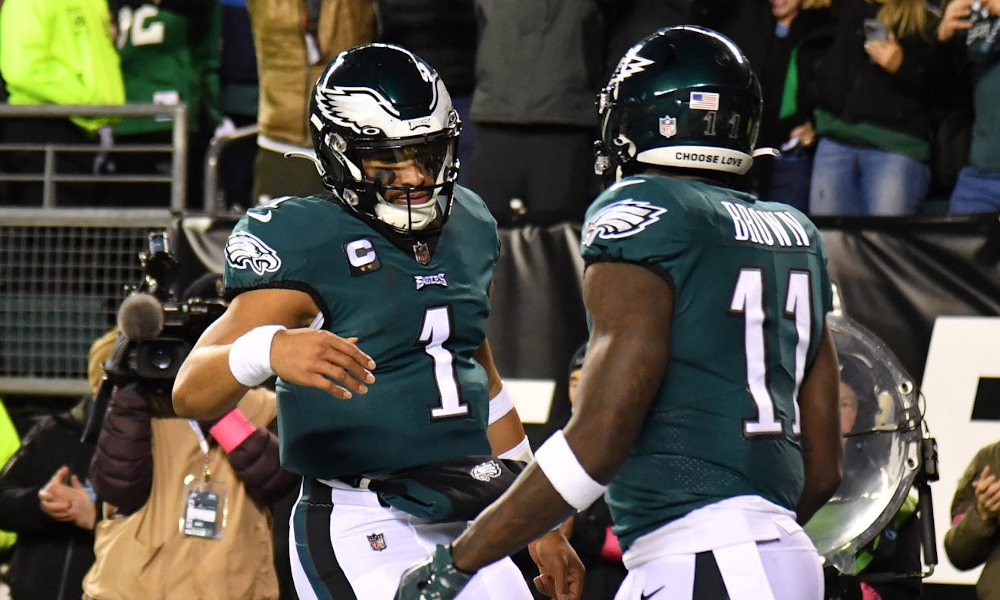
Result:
x=156 y=332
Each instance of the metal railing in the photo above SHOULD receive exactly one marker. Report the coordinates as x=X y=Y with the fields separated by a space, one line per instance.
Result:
x=49 y=177
x=62 y=278
x=216 y=147
x=63 y=269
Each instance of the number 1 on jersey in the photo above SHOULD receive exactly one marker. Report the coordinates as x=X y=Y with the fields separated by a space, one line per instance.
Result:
x=434 y=332
x=748 y=300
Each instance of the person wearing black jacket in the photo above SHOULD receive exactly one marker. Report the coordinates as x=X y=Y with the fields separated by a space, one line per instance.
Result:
x=873 y=109
x=783 y=39
x=46 y=497
x=50 y=556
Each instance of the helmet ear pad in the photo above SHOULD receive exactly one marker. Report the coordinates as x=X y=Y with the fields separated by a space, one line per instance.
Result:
x=362 y=194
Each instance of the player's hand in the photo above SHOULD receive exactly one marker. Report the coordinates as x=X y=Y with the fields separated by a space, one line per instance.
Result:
x=64 y=499
x=956 y=17
x=434 y=578
x=887 y=54
x=323 y=360
x=560 y=570
x=987 y=495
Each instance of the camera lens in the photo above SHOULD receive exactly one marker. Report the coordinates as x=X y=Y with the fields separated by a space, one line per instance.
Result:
x=161 y=358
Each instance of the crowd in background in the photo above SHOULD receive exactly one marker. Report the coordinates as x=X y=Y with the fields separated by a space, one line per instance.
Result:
x=897 y=119
x=878 y=107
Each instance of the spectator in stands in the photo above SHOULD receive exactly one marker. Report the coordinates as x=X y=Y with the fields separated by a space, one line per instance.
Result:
x=442 y=32
x=974 y=26
x=57 y=52
x=589 y=531
x=873 y=110
x=227 y=470
x=45 y=496
x=295 y=40
x=972 y=539
x=170 y=55
x=240 y=98
x=539 y=66
x=785 y=61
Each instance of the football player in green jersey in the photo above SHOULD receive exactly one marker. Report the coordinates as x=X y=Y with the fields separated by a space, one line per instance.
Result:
x=370 y=306
x=707 y=406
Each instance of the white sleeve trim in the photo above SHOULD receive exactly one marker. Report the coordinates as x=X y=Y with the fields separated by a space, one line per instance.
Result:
x=521 y=452
x=500 y=405
x=556 y=459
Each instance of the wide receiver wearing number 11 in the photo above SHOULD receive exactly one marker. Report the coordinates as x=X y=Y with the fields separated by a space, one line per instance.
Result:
x=708 y=398
x=370 y=307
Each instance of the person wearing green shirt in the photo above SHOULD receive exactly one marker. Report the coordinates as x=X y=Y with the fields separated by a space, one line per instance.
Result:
x=169 y=55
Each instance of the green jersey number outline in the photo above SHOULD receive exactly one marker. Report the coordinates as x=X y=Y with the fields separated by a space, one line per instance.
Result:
x=434 y=332
x=748 y=301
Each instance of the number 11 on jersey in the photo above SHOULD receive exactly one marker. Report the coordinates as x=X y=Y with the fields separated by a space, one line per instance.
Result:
x=748 y=300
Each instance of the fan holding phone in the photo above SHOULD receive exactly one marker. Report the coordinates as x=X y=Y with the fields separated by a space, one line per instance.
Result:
x=873 y=119
x=881 y=45
x=971 y=30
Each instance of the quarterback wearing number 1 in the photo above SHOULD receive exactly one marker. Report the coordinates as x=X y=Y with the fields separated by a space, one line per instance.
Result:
x=707 y=406
x=370 y=306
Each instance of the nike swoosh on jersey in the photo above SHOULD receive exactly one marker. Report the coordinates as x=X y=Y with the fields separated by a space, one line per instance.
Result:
x=264 y=218
x=644 y=596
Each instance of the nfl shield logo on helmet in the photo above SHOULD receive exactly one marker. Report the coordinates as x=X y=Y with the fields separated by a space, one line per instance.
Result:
x=377 y=541
x=668 y=126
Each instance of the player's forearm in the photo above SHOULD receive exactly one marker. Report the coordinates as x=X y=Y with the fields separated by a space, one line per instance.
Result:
x=205 y=388
x=529 y=509
x=822 y=478
x=822 y=444
x=506 y=433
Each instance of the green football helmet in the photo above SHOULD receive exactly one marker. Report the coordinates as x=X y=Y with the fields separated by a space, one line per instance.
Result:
x=683 y=97
x=379 y=114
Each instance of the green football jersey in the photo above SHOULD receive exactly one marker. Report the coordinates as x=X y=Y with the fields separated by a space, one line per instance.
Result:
x=751 y=293
x=420 y=323
x=169 y=57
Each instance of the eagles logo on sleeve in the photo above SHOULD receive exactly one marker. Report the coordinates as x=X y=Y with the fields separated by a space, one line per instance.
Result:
x=621 y=219
x=247 y=251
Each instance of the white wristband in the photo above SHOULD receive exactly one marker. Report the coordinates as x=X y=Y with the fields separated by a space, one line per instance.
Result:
x=250 y=355
x=521 y=452
x=556 y=459
x=500 y=405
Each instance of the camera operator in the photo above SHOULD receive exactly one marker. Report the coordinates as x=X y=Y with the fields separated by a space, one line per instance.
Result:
x=186 y=503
